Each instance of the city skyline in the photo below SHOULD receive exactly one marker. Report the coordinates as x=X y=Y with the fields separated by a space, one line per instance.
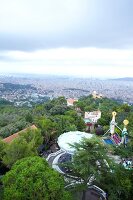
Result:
x=87 y=38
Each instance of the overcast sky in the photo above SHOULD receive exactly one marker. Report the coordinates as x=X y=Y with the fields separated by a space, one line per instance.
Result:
x=72 y=37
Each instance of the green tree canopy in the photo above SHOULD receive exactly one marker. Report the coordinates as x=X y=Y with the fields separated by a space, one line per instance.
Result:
x=89 y=161
x=16 y=150
x=25 y=145
x=32 y=179
x=118 y=184
x=33 y=137
x=47 y=127
x=90 y=158
x=2 y=148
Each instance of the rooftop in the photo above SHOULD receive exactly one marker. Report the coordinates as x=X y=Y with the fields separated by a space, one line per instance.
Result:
x=71 y=137
x=71 y=101
x=15 y=135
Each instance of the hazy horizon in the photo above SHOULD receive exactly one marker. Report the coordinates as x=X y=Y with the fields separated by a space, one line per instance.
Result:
x=60 y=76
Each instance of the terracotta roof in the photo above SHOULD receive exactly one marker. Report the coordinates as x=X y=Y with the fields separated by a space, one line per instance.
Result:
x=71 y=101
x=15 y=135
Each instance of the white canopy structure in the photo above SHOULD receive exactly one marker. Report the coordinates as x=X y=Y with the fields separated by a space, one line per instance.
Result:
x=71 y=137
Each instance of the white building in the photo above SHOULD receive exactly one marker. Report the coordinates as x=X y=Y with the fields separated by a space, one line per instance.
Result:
x=92 y=117
x=96 y=95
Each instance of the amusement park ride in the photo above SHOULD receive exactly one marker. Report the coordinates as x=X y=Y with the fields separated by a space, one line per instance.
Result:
x=112 y=137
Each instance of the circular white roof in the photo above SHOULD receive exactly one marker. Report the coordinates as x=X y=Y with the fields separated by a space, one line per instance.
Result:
x=70 y=138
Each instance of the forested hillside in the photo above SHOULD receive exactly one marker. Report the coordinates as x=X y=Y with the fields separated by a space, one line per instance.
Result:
x=13 y=119
x=56 y=117
x=53 y=118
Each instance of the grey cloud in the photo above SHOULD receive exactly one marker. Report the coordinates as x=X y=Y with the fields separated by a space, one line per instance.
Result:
x=110 y=27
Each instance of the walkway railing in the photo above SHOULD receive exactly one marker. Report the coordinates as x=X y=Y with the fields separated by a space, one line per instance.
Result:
x=54 y=154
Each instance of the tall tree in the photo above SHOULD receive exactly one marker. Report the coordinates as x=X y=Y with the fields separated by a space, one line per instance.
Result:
x=48 y=128
x=16 y=150
x=2 y=148
x=89 y=161
x=33 y=137
x=32 y=179
x=25 y=145
x=118 y=184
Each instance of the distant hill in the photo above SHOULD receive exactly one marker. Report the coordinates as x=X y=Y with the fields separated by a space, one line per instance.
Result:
x=123 y=79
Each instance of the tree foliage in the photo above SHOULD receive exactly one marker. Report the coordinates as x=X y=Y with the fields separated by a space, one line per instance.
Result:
x=2 y=148
x=89 y=159
x=89 y=162
x=23 y=146
x=32 y=179
x=13 y=119
x=118 y=184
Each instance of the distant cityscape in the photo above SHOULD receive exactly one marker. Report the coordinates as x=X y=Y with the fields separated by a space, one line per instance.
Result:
x=27 y=89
